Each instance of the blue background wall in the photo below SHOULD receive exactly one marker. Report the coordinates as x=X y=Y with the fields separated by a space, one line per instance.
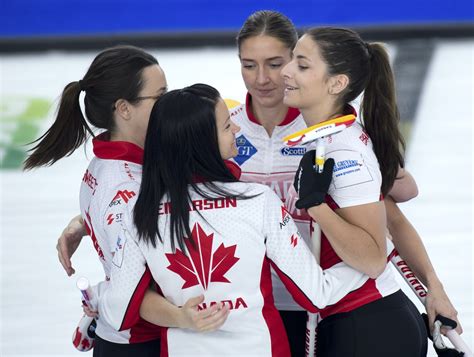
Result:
x=31 y=18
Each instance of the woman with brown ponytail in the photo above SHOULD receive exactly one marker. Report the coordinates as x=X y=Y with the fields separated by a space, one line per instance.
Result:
x=121 y=86
x=330 y=68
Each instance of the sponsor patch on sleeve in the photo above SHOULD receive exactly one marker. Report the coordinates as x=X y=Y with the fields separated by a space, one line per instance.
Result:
x=349 y=169
x=119 y=249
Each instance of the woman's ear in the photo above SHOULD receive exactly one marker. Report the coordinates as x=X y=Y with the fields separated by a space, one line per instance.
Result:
x=338 y=83
x=122 y=108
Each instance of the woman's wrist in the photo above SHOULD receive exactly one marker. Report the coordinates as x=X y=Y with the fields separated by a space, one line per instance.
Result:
x=315 y=211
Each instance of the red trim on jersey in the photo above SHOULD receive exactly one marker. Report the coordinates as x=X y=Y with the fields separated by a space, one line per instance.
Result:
x=360 y=297
x=144 y=331
x=278 y=337
x=365 y=294
x=233 y=168
x=132 y=314
x=116 y=150
x=298 y=295
x=290 y=116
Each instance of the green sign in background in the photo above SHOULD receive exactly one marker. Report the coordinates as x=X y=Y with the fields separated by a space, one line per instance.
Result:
x=20 y=120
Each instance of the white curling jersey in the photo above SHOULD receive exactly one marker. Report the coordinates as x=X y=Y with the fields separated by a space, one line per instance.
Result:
x=356 y=181
x=103 y=204
x=267 y=160
x=236 y=242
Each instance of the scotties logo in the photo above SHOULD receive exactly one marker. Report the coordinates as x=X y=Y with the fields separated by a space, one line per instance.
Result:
x=293 y=151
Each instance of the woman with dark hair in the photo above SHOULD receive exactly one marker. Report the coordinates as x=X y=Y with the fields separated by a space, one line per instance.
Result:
x=121 y=87
x=265 y=43
x=330 y=68
x=201 y=231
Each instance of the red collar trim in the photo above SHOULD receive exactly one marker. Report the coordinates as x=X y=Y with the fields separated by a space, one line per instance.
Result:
x=233 y=168
x=291 y=115
x=116 y=150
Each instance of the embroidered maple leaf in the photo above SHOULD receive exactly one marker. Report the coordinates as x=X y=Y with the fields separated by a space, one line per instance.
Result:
x=202 y=265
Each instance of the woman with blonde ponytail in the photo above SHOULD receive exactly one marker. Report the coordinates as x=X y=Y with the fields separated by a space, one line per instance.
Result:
x=330 y=68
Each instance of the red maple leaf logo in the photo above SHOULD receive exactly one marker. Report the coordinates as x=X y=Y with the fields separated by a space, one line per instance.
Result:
x=205 y=266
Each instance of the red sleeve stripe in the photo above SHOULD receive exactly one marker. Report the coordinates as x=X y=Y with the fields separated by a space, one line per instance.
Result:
x=132 y=314
x=278 y=336
x=297 y=294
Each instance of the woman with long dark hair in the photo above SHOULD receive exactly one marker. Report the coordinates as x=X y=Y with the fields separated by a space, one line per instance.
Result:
x=201 y=231
x=121 y=87
x=330 y=68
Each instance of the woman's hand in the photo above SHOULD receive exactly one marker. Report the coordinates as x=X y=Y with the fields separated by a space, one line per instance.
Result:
x=69 y=241
x=438 y=303
x=205 y=320
x=311 y=185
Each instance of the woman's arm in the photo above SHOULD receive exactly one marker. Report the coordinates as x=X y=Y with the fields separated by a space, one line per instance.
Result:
x=404 y=188
x=69 y=241
x=410 y=246
x=159 y=311
x=357 y=234
x=127 y=296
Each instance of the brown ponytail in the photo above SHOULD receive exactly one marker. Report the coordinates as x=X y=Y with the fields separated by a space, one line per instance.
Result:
x=381 y=116
x=368 y=69
x=67 y=133
x=115 y=73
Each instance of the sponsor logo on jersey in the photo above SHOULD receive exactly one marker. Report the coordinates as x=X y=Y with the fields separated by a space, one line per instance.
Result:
x=117 y=259
x=114 y=217
x=294 y=240
x=128 y=171
x=202 y=265
x=293 y=151
x=364 y=138
x=245 y=150
x=233 y=305
x=89 y=180
x=122 y=196
x=285 y=217
x=346 y=167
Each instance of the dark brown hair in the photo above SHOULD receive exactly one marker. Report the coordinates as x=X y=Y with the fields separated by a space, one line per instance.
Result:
x=270 y=23
x=115 y=73
x=368 y=68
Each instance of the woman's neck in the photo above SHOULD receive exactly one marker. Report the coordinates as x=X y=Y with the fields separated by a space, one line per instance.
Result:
x=118 y=136
x=320 y=113
x=269 y=118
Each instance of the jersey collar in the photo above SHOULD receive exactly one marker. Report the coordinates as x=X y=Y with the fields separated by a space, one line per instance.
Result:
x=116 y=150
x=291 y=115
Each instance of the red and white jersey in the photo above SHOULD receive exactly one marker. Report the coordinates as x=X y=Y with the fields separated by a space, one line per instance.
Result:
x=236 y=242
x=268 y=161
x=356 y=181
x=103 y=203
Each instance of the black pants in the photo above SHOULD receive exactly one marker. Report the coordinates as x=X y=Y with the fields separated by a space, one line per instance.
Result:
x=295 y=326
x=389 y=327
x=103 y=348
